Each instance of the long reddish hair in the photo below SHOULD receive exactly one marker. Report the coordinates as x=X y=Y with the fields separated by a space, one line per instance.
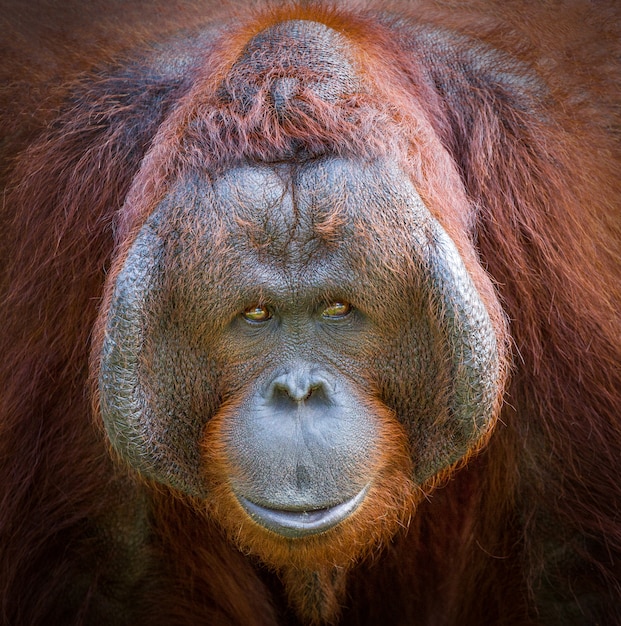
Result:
x=534 y=165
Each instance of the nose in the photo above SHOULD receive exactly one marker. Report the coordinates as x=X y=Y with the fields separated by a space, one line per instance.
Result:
x=298 y=384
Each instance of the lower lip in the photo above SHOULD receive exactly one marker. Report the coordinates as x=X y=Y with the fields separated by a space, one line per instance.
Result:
x=301 y=523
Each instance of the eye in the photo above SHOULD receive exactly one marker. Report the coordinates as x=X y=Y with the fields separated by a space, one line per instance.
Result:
x=257 y=313
x=337 y=310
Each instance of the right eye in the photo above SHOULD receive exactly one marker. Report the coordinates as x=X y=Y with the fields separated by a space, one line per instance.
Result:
x=337 y=310
x=257 y=313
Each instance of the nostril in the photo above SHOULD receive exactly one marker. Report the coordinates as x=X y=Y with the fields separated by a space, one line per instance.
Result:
x=297 y=387
x=297 y=393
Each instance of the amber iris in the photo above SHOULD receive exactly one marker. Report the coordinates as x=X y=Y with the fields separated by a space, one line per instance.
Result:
x=257 y=313
x=337 y=310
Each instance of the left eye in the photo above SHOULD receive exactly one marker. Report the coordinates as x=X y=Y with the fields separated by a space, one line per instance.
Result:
x=258 y=313
x=337 y=310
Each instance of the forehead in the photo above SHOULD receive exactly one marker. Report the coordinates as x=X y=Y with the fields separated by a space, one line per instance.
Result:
x=292 y=213
x=326 y=226
x=330 y=228
x=277 y=215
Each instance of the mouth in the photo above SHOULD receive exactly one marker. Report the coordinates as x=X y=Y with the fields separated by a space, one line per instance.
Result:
x=300 y=523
